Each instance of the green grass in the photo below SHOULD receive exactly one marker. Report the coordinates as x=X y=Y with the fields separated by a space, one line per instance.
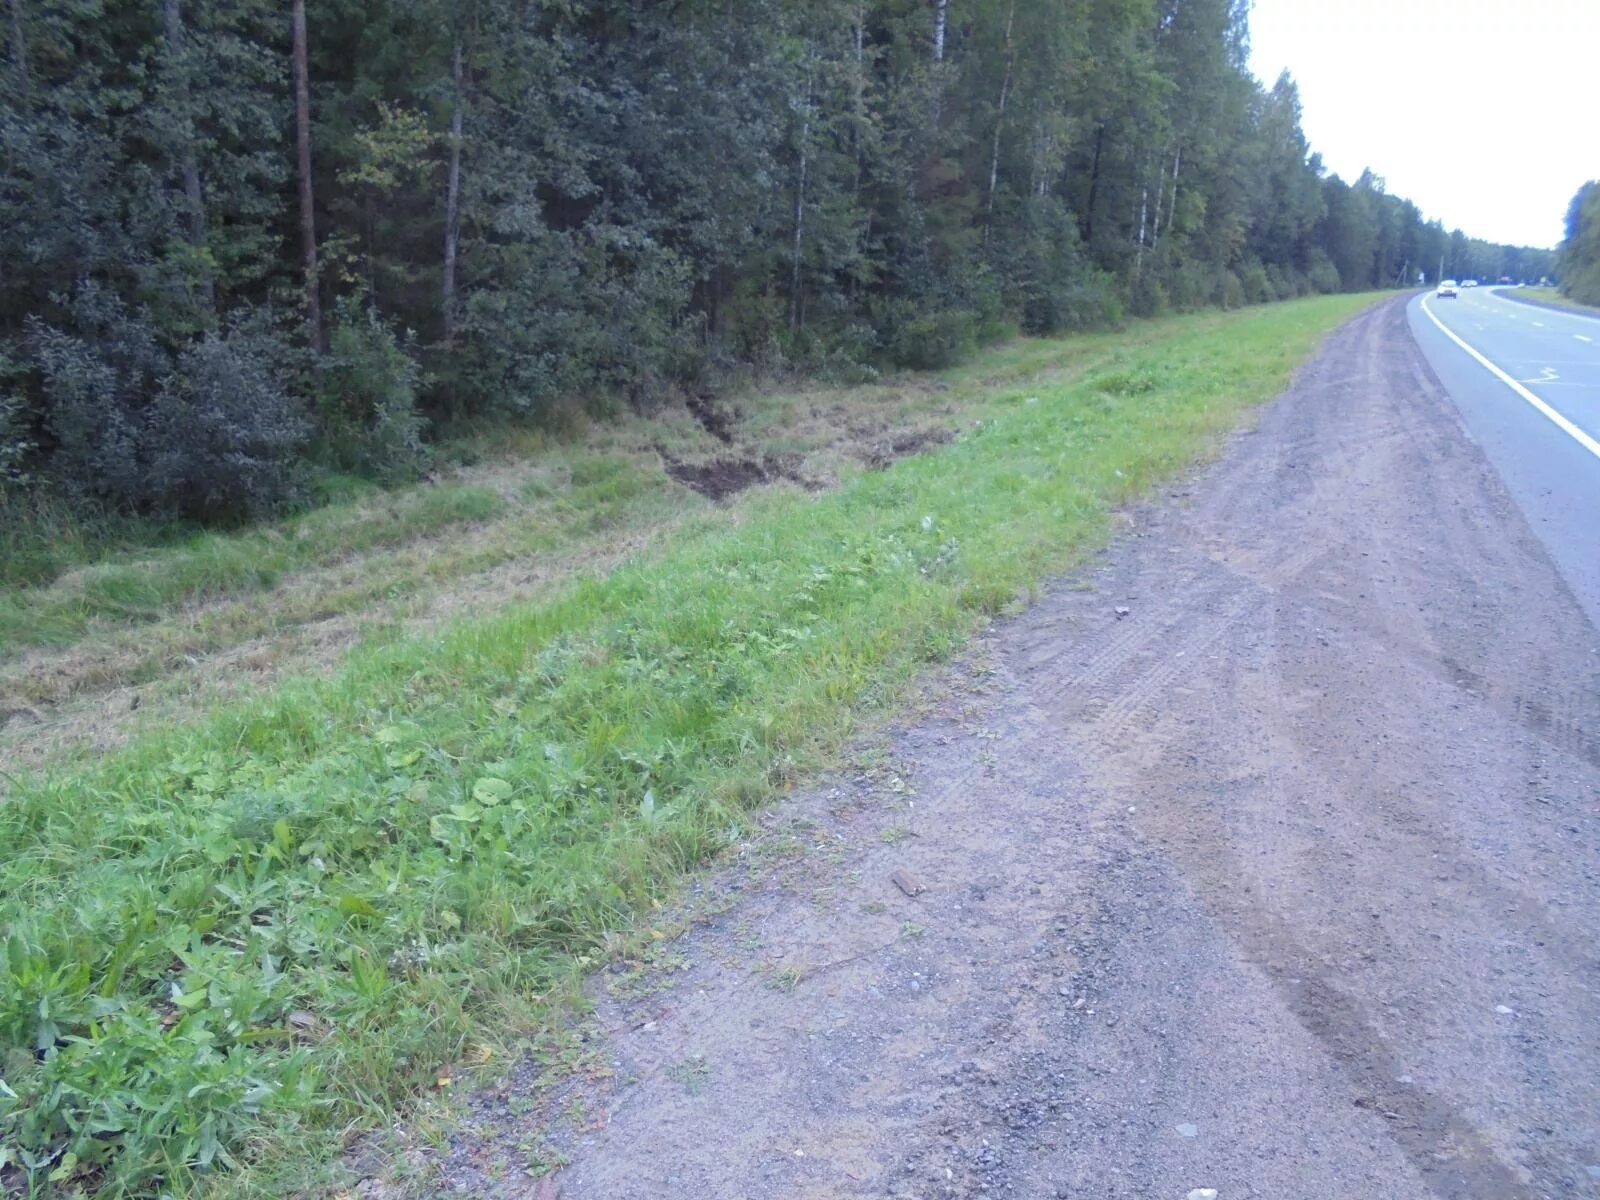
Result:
x=231 y=943
x=41 y=537
x=1550 y=297
x=135 y=587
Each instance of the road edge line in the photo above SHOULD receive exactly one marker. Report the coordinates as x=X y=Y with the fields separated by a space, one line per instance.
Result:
x=1561 y=422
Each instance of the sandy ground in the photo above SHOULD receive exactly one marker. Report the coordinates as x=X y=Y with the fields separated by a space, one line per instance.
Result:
x=1262 y=856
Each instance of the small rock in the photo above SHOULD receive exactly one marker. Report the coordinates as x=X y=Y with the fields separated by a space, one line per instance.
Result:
x=907 y=882
x=1122 y=610
x=1203 y=1194
x=1504 y=1011
x=1188 y=1130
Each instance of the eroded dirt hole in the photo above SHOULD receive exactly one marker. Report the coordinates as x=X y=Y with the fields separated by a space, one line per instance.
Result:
x=715 y=420
x=729 y=476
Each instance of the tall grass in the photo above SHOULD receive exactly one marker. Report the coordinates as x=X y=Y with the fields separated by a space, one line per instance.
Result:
x=233 y=940
x=41 y=536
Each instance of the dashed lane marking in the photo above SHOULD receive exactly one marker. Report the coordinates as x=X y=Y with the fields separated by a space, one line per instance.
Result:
x=1561 y=422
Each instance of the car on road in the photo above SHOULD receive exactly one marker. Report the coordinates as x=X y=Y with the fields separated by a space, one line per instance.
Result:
x=1447 y=290
x=1469 y=283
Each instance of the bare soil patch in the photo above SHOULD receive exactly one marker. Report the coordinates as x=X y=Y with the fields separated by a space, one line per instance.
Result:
x=716 y=420
x=725 y=477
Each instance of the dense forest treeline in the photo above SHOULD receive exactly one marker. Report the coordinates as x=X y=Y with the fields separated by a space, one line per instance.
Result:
x=249 y=240
x=1579 y=260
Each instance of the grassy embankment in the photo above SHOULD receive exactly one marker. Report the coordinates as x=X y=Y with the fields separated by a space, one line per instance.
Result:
x=1549 y=298
x=232 y=942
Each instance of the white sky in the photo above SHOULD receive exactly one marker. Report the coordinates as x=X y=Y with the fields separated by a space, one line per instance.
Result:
x=1484 y=113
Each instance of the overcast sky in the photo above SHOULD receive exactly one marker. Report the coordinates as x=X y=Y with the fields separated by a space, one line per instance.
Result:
x=1485 y=113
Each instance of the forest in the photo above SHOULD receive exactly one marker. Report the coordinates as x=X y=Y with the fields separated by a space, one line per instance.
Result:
x=1579 y=261
x=251 y=245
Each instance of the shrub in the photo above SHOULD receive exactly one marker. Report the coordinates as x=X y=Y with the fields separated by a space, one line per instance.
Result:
x=212 y=434
x=1090 y=303
x=224 y=438
x=936 y=340
x=1323 y=275
x=367 y=399
x=16 y=439
x=1186 y=285
x=1147 y=298
x=1230 y=290
x=754 y=325
x=96 y=382
x=1257 y=286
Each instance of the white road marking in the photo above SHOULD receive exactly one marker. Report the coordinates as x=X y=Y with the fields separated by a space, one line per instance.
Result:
x=1561 y=423
x=1538 y=324
x=1581 y=338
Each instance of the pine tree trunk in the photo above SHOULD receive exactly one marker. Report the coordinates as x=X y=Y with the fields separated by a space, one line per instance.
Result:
x=172 y=15
x=1094 y=184
x=795 y=310
x=19 y=48
x=302 y=134
x=452 y=203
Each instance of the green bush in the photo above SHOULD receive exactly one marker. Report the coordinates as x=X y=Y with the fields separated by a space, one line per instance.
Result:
x=935 y=341
x=96 y=372
x=16 y=440
x=224 y=437
x=1186 y=284
x=1147 y=298
x=367 y=399
x=1322 y=274
x=209 y=431
x=1229 y=290
x=1089 y=303
x=1257 y=286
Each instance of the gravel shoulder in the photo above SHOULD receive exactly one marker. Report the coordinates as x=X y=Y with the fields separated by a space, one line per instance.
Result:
x=1261 y=856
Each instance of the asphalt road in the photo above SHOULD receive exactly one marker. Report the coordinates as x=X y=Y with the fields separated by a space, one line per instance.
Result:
x=1555 y=355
